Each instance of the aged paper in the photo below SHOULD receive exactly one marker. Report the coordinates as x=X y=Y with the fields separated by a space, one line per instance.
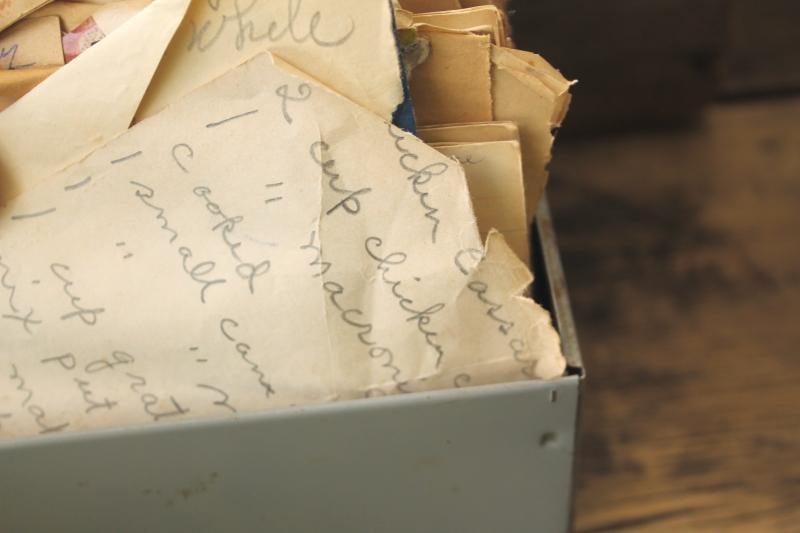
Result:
x=502 y=5
x=13 y=10
x=31 y=43
x=425 y=6
x=104 y=20
x=469 y=132
x=262 y=243
x=349 y=45
x=454 y=84
x=14 y=84
x=535 y=97
x=71 y=14
x=484 y=19
x=86 y=103
x=535 y=65
x=112 y=16
x=108 y=16
x=494 y=178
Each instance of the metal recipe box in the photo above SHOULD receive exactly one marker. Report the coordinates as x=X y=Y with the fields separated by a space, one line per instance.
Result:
x=491 y=459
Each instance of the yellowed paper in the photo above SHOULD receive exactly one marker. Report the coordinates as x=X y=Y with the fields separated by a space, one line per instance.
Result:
x=248 y=249
x=108 y=16
x=494 y=178
x=112 y=16
x=31 y=43
x=453 y=85
x=536 y=66
x=14 y=84
x=349 y=45
x=469 y=132
x=13 y=10
x=71 y=14
x=100 y=2
x=86 y=103
x=483 y=19
x=502 y=5
x=425 y=6
x=536 y=99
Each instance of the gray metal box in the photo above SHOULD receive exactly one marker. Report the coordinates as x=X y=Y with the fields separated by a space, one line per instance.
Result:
x=491 y=459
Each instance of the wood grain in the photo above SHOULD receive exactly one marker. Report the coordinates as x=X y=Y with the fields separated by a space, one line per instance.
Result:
x=682 y=250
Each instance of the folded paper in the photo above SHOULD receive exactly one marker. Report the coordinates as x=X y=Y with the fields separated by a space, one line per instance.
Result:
x=484 y=19
x=13 y=10
x=86 y=103
x=263 y=242
x=528 y=91
x=31 y=43
x=14 y=84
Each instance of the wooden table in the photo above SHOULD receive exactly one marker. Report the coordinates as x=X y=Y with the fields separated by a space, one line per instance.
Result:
x=682 y=251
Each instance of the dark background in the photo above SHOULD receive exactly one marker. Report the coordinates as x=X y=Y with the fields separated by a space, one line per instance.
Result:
x=676 y=195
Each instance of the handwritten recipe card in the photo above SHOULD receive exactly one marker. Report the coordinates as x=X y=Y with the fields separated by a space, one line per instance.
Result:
x=263 y=242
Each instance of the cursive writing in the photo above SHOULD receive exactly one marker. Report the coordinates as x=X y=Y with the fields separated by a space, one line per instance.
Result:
x=26 y=321
x=518 y=349
x=88 y=397
x=468 y=260
x=137 y=382
x=152 y=404
x=37 y=412
x=419 y=179
x=87 y=315
x=145 y=194
x=517 y=346
x=467 y=160
x=351 y=202
x=227 y=225
x=189 y=153
x=480 y=289
x=303 y=94
x=223 y=402
x=10 y=288
x=196 y=273
x=353 y=317
x=117 y=358
x=67 y=361
x=422 y=317
x=242 y=18
x=315 y=246
x=15 y=313
x=226 y=325
x=20 y=382
x=11 y=54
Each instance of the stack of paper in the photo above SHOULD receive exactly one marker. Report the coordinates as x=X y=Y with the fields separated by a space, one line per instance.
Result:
x=472 y=75
x=192 y=226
